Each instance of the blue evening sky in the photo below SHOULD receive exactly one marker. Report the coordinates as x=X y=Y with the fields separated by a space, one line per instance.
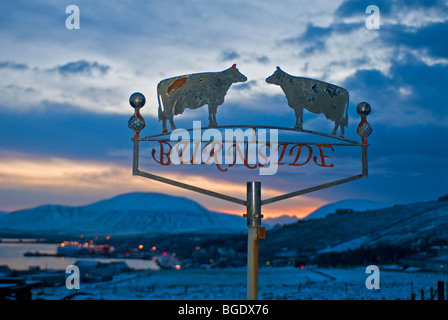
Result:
x=64 y=93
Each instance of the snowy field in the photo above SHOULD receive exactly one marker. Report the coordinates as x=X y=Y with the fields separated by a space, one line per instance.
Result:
x=281 y=283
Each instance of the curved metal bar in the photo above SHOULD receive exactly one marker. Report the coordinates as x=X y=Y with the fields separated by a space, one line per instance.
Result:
x=312 y=189
x=278 y=142
x=263 y=127
x=190 y=187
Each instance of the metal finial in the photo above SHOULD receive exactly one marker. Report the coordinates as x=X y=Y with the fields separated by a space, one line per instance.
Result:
x=136 y=123
x=363 y=108
x=137 y=100
x=364 y=129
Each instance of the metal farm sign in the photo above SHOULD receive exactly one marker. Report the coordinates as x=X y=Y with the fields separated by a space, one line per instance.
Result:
x=249 y=145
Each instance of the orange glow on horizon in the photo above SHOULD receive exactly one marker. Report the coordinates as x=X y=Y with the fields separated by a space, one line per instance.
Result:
x=299 y=212
x=80 y=179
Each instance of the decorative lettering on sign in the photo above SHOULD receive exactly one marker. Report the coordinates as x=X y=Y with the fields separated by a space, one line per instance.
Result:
x=214 y=152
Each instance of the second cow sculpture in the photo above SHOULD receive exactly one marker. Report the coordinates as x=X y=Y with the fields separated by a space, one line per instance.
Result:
x=315 y=96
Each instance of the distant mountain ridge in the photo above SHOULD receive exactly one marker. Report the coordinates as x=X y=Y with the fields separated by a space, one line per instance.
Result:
x=281 y=220
x=127 y=214
x=357 y=205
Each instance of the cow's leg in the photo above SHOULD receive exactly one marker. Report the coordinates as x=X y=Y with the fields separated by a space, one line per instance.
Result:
x=214 y=119
x=335 y=129
x=212 y=116
x=299 y=119
x=165 y=130
x=173 y=126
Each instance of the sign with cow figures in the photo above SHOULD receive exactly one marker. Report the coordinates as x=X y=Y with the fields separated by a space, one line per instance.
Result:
x=253 y=146
x=248 y=145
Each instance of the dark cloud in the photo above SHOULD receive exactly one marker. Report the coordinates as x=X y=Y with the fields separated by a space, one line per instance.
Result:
x=313 y=40
x=82 y=67
x=64 y=131
x=262 y=59
x=229 y=55
x=428 y=37
x=426 y=86
x=352 y=8
x=12 y=65
x=246 y=85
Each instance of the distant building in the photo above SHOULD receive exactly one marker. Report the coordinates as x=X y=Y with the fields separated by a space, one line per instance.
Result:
x=292 y=258
x=427 y=262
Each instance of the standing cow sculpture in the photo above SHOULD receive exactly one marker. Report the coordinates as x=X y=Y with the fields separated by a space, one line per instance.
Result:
x=194 y=91
x=315 y=96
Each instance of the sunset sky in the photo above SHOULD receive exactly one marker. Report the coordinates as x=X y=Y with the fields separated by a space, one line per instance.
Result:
x=64 y=94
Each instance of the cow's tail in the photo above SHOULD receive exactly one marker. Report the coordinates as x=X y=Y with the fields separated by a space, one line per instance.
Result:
x=346 y=112
x=160 y=112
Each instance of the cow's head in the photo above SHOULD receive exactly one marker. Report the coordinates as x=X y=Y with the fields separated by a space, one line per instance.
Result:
x=276 y=77
x=235 y=75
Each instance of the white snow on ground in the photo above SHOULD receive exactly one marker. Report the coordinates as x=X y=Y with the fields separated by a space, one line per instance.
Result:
x=349 y=245
x=281 y=283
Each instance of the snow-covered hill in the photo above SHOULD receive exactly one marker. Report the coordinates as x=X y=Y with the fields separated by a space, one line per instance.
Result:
x=134 y=213
x=357 y=205
x=281 y=220
x=398 y=225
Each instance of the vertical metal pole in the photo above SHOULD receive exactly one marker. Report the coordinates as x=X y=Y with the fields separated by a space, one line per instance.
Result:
x=365 y=170
x=253 y=224
x=135 y=154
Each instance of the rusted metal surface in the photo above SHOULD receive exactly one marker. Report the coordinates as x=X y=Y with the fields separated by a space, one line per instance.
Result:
x=253 y=218
x=194 y=91
x=315 y=96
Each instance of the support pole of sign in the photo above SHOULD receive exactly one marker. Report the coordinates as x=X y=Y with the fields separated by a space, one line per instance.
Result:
x=255 y=232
